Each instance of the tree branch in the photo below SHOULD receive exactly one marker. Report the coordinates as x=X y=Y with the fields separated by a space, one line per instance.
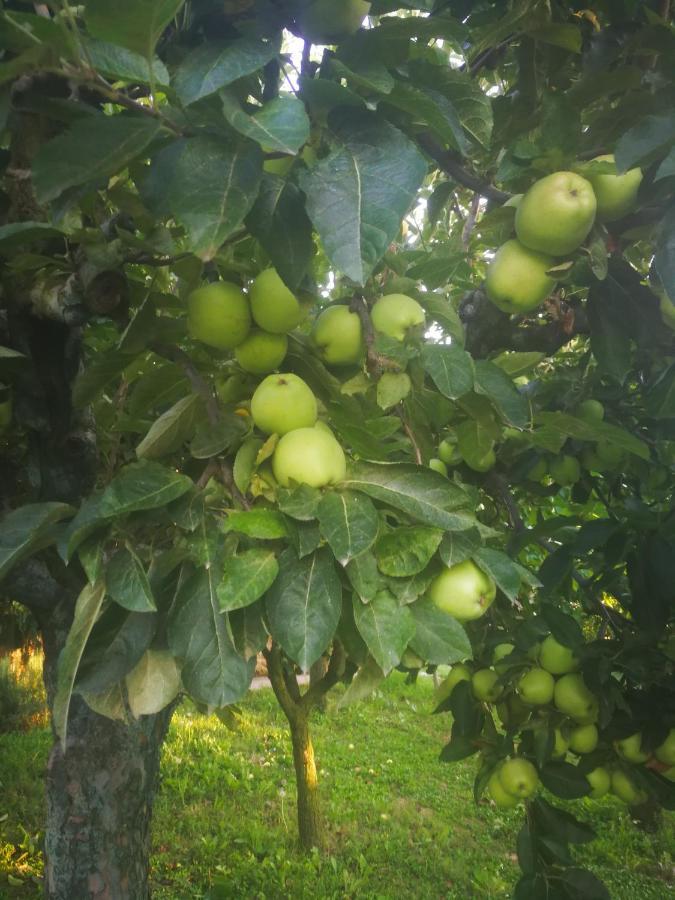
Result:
x=275 y=670
x=334 y=672
x=448 y=162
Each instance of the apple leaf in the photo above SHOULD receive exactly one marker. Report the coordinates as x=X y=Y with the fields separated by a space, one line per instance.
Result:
x=439 y=639
x=263 y=524
x=246 y=577
x=130 y=23
x=457 y=546
x=501 y=568
x=564 y=780
x=494 y=383
x=143 y=485
x=570 y=426
x=365 y=577
x=407 y=550
x=172 y=429
x=450 y=368
x=117 y=642
x=386 y=628
x=282 y=125
x=349 y=522
x=28 y=529
x=392 y=388
x=665 y=254
x=304 y=604
x=643 y=141
x=127 y=582
x=123 y=64
x=359 y=193
x=17 y=234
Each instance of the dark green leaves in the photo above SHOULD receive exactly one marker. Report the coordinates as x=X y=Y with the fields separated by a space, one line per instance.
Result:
x=358 y=195
x=439 y=639
x=494 y=383
x=386 y=628
x=282 y=125
x=91 y=151
x=349 y=522
x=450 y=367
x=127 y=582
x=564 y=780
x=665 y=254
x=130 y=23
x=407 y=550
x=644 y=140
x=246 y=577
x=211 y=67
x=28 y=529
x=143 y=485
x=303 y=605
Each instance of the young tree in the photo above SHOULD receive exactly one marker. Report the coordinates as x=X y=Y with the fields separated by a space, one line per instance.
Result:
x=233 y=384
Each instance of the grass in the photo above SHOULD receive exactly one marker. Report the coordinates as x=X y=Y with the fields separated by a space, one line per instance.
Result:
x=400 y=823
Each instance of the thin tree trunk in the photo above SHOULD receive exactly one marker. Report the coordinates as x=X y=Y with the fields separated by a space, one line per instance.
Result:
x=310 y=826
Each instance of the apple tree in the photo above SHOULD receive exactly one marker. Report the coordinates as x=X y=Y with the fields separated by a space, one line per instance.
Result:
x=341 y=332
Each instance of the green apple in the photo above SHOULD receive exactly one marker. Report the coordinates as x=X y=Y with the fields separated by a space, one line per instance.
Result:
x=330 y=21
x=458 y=672
x=584 y=738
x=281 y=165
x=309 y=456
x=449 y=453
x=282 y=403
x=438 y=466
x=538 y=470
x=273 y=306
x=463 y=591
x=665 y=752
x=485 y=687
x=411 y=660
x=630 y=748
x=572 y=697
x=556 y=658
x=396 y=314
x=484 y=463
x=557 y=213
x=625 y=789
x=591 y=411
x=219 y=315
x=535 y=687
x=501 y=797
x=261 y=352
x=560 y=744
x=513 y=712
x=499 y=653
x=600 y=781
x=565 y=470
x=519 y=777
x=616 y=195
x=516 y=278
x=338 y=336
x=669 y=774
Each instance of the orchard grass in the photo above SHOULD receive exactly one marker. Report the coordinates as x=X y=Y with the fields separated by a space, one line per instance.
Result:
x=401 y=824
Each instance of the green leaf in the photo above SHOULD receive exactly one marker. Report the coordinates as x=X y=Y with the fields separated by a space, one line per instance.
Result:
x=501 y=569
x=610 y=339
x=516 y=363
x=263 y=524
x=494 y=383
x=18 y=234
x=87 y=520
x=130 y=23
x=349 y=522
x=212 y=440
x=211 y=67
x=87 y=610
x=208 y=186
x=584 y=884
x=471 y=104
x=450 y=368
x=157 y=389
x=172 y=429
x=122 y=64
x=362 y=685
x=664 y=259
x=434 y=109
x=457 y=546
x=91 y=150
x=644 y=141
x=245 y=463
x=569 y=426
x=564 y=780
x=198 y=634
x=143 y=485
x=246 y=577
x=392 y=388
x=407 y=550
x=474 y=441
x=439 y=639
x=28 y=529
x=365 y=577
x=425 y=495
x=281 y=126
x=127 y=583
x=279 y=221
x=370 y=74
x=300 y=502
x=561 y=824
x=303 y=605
x=386 y=628
x=559 y=34
x=117 y=642
x=371 y=176
x=98 y=375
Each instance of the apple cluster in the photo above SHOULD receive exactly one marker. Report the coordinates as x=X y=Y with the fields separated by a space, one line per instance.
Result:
x=552 y=220
x=542 y=690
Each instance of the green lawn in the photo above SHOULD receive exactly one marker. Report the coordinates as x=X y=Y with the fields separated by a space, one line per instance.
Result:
x=400 y=823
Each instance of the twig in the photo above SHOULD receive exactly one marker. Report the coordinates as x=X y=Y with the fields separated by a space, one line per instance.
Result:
x=447 y=161
x=498 y=486
x=408 y=430
x=470 y=220
x=375 y=362
x=320 y=688
x=97 y=83
x=159 y=262
x=227 y=477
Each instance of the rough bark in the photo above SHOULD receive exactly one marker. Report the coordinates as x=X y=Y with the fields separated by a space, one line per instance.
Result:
x=309 y=815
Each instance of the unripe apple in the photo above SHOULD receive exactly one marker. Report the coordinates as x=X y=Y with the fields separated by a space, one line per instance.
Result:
x=625 y=789
x=665 y=752
x=458 y=672
x=484 y=464
x=556 y=658
x=616 y=195
x=219 y=315
x=584 y=738
x=535 y=687
x=572 y=697
x=501 y=651
x=630 y=748
x=463 y=591
x=449 y=453
x=273 y=306
x=330 y=21
x=283 y=403
x=338 y=336
x=591 y=411
x=565 y=470
x=519 y=777
x=309 y=456
x=600 y=781
x=438 y=466
x=485 y=687
x=261 y=352
x=411 y=660
x=557 y=213
x=560 y=744
x=516 y=279
x=395 y=314
x=501 y=797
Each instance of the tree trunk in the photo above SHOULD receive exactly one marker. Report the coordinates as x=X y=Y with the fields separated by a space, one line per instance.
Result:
x=99 y=800
x=309 y=816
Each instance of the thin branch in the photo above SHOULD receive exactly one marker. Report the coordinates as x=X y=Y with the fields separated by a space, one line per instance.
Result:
x=470 y=221
x=227 y=477
x=375 y=362
x=275 y=670
x=333 y=674
x=449 y=163
x=411 y=436
x=96 y=82
x=498 y=486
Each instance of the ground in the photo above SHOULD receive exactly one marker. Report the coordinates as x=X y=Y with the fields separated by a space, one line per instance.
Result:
x=401 y=824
